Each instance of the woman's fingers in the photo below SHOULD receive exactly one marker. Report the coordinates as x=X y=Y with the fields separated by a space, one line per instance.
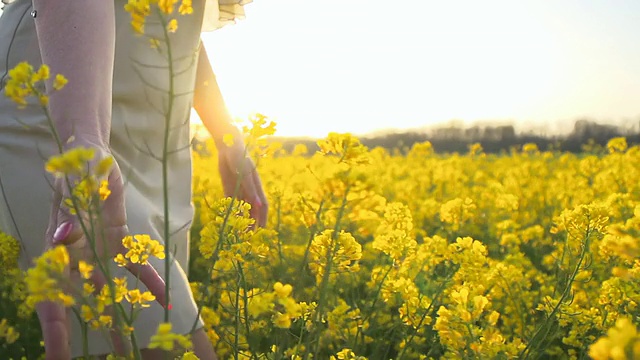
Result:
x=151 y=279
x=253 y=193
x=53 y=316
x=249 y=189
x=255 y=196
x=64 y=228
x=55 y=330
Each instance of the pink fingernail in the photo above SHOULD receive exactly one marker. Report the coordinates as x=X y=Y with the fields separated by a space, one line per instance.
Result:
x=62 y=231
x=258 y=202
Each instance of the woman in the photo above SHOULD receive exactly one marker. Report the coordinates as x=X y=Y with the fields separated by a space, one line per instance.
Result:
x=111 y=103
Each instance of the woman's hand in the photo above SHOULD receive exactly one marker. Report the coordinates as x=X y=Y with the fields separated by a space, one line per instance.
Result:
x=238 y=171
x=65 y=229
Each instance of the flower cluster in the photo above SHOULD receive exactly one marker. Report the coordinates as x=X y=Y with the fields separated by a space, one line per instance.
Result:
x=621 y=342
x=23 y=82
x=534 y=254
x=278 y=304
x=140 y=248
x=166 y=340
x=346 y=147
x=8 y=333
x=141 y=9
x=86 y=177
x=45 y=279
x=334 y=253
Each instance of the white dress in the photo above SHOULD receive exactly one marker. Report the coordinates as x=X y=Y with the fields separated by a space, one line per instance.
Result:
x=25 y=194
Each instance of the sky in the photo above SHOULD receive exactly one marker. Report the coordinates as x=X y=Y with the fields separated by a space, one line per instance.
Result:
x=316 y=66
x=362 y=66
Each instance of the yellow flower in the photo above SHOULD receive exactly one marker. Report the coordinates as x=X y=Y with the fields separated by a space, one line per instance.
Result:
x=42 y=280
x=185 y=7
x=614 y=345
x=282 y=290
x=120 y=260
x=421 y=150
x=163 y=338
x=475 y=149
x=457 y=211
x=105 y=321
x=66 y=299
x=261 y=304
x=41 y=74
x=346 y=146
x=227 y=139
x=259 y=127
x=85 y=269
x=23 y=82
x=21 y=72
x=166 y=6
x=346 y=354
x=139 y=10
x=300 y=150
x=59 y=82
x=394 y=235
x=7 y=332
x=141 y=247
x=104 y=166
x=104 y=191
x=282 y=320
x=71 y=162
x=189 y=356
x=493 y=317
x=86 y=313
x=121 y=288
x=19 y=86
x=155 y=43
x=618 y=144
x=461 y=297
x=88 y=289
x=344 y=248
x=530 y=148
x=136 y=297
x=479 y=303
x=43 y=99
x=172 y=26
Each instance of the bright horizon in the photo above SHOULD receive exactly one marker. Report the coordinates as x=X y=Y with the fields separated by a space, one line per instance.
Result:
x=316 y=66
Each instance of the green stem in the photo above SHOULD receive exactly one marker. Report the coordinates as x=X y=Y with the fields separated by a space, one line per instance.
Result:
x=221 y=238
x=165 y=169
x=278 y=220
x=331 y=251
x=236 y=335
x=369 y=314
x=528 y=349
x=312 y=234
x=245 y=300
x=516 y=306
x=424 y=316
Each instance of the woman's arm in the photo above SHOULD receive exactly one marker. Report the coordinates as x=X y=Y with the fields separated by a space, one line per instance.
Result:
x=77 y=40
x=233 y=163
x=208 y=101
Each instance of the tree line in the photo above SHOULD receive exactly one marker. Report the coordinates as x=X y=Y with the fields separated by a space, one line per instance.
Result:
x=587 y=135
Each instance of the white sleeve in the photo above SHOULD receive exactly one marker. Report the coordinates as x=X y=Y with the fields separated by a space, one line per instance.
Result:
x=218 y=13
